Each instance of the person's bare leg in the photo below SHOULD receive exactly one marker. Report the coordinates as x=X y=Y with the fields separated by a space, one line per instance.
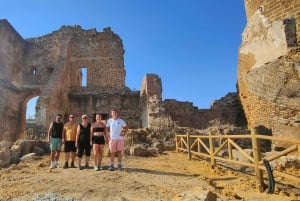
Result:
x=87 y=160
x=73 y=158
x=67 y=156
x=119 y=154
x=79 y=163
x=52 y=159
x=57 y=155
x=112 y=158
x=101 y=149
x=52 y=156
x=95 y=155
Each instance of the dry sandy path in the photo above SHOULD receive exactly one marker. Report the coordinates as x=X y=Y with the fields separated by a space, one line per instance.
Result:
x=142 y=179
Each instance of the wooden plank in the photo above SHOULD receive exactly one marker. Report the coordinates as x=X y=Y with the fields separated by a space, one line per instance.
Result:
x=287 y=176
x=282 y=153
x=221 y=147
x=211 y=151
x=241 y=150
x=256 y=160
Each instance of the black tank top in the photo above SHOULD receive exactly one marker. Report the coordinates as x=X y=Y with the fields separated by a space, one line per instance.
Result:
x=57 y=129
x=98 y=129
x=85 y=133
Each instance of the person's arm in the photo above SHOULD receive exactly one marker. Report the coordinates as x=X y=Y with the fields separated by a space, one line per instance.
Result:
x=107 y=129
x=77 y=135
x=125 y=130
x=91 y=134
x=64 y=135
x=105 y=133
x=50 y=131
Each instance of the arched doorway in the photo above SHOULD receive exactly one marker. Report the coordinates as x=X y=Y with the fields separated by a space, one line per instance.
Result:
x=30 y=124
x=30 y=109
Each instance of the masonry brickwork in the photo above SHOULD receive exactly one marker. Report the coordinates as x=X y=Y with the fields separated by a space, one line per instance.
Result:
x=269 y=66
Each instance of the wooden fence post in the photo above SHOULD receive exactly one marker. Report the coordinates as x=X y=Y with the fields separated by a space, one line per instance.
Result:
x=257 y=158
x=211 y=150
x=189 y=144
x=176 y=143
x=298 y=151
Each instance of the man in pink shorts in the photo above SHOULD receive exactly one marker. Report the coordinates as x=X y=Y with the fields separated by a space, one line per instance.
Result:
x=117 y=130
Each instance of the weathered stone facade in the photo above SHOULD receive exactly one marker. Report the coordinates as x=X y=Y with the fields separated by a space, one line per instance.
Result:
x=225 y=111
x=51 y=67
x=269 y=66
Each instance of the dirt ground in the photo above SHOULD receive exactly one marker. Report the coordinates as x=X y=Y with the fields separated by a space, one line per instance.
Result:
x=142 y=179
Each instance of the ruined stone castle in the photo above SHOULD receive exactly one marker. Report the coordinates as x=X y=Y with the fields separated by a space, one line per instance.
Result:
x=269 y=66
x=51 y=66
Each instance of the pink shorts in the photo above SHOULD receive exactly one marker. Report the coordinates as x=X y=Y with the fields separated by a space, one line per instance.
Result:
x=116 y=145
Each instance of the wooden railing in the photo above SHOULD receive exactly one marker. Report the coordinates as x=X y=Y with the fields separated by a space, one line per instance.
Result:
x=204 y=146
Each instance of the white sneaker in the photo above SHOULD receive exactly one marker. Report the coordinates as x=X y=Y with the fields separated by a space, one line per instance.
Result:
x=96 y=168
x=56 y=164
x=52 y=165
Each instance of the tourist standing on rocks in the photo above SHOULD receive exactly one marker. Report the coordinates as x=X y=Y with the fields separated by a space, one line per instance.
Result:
x=98 y=138
x=117 y=130
x=69 y=136
x=55 y=139
x=83 y=142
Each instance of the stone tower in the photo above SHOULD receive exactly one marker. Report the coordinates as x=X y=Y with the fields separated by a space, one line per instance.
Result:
x=269 y=66
x=151 y=106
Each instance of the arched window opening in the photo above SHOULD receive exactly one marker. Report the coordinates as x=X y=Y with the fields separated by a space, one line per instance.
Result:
x=30 y=109
x=34 y=71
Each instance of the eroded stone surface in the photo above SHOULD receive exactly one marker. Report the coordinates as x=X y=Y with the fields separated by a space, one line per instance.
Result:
x=269 y=62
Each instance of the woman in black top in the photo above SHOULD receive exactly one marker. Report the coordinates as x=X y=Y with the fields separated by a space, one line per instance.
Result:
x=83 y=142
x=98 y=138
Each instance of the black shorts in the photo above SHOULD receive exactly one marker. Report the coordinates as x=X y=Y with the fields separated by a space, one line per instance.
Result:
x=84 y=148
x=98 y=139
x=70 y=146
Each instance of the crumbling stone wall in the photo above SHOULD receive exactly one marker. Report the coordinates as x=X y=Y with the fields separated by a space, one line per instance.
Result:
x=50 y=67
x=274 y=11
x=13 y=92
x=187 y=115
x=269 y=65
x=225 y=111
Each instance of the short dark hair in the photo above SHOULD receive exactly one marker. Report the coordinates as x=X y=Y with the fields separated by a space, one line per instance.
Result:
x=59 y=115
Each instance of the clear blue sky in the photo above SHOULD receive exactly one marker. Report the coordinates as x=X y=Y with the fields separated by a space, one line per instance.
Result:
x=191 y=44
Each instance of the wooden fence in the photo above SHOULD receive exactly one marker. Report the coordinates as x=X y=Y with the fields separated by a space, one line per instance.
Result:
x=204 y=146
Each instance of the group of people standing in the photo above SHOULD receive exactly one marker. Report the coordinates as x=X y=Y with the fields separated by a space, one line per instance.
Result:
x=81 y=138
